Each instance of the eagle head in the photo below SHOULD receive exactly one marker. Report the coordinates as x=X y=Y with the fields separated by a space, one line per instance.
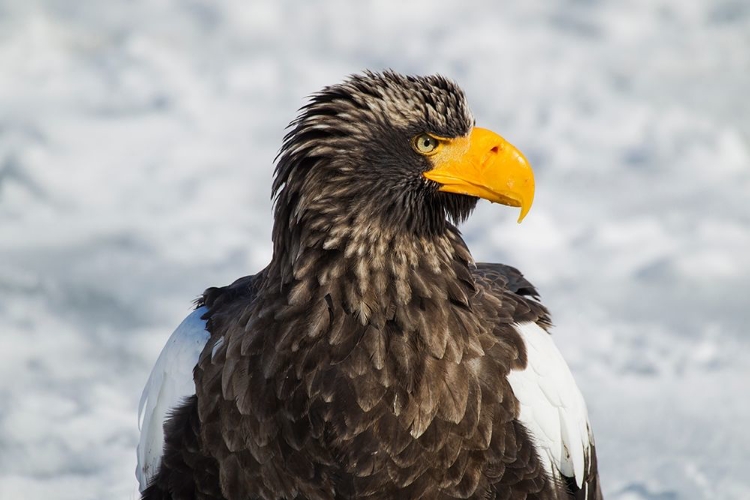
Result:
x=392 y=153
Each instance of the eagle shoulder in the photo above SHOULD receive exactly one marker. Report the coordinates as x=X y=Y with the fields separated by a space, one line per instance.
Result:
x=552 y=408
x=171 y=380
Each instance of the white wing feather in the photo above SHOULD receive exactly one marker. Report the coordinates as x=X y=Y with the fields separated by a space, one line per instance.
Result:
x=552 y=407
x=170 y=382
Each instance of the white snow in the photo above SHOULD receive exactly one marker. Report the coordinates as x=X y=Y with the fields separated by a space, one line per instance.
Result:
x=136 y=149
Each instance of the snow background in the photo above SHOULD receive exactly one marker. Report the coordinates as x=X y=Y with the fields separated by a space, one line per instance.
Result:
x=136 y=149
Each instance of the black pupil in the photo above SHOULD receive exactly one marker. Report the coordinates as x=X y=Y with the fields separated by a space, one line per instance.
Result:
x=426 y=142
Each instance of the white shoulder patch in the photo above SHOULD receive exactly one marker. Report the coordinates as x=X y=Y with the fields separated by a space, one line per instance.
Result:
x=552 y=407
x=170 y=382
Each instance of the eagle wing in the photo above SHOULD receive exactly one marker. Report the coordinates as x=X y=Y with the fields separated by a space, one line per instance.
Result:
x=170 y=382
x=552 y=407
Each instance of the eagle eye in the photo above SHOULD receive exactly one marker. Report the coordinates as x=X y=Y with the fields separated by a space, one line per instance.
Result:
x=425 y=144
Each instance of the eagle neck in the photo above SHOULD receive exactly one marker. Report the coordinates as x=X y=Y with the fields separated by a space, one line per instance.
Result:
x=371 y=267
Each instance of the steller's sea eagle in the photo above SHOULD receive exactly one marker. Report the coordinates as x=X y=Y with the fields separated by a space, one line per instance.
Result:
x=372 y=358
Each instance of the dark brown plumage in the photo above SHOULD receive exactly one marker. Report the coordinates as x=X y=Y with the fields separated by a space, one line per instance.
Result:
x=370 y=358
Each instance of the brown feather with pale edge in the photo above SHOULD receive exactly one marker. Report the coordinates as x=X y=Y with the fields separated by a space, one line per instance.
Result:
x=369 y=360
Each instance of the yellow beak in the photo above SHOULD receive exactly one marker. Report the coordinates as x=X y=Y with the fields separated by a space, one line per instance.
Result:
x=485 y=165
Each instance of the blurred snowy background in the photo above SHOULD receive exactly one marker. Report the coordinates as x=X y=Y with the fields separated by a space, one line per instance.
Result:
x=136 y=149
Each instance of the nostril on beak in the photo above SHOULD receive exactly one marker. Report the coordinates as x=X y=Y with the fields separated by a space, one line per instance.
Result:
x=495 y=149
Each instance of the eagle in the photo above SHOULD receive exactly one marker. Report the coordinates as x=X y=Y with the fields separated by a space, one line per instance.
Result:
x=372 y=358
